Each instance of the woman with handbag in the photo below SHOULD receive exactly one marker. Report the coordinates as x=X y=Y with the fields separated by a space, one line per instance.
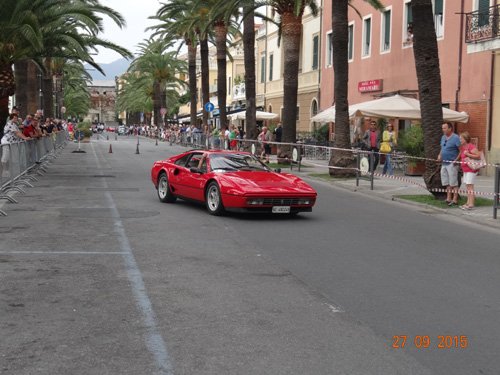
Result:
x=389 y=140
x=469 y=154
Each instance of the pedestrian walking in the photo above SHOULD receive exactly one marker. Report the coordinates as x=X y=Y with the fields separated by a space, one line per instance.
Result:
x=389 y=141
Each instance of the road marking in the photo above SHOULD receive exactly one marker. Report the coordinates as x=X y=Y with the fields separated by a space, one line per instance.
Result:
x=154 y=340
x=65 y=252
x=334 y=309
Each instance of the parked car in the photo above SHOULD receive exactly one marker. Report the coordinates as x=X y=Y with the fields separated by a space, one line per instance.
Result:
x=230 y=181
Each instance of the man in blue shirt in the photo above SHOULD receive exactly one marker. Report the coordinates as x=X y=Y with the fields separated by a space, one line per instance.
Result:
x=450 y=152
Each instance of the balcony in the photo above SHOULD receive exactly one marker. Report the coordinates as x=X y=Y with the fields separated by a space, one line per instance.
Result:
x=482 y=26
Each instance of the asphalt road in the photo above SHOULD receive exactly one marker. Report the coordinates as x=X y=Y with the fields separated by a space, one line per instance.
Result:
x=98 y=277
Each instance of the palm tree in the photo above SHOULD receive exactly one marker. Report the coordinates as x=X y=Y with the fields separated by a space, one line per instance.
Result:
x=177 y=22
x=248 y=15
x=70 y=31
x=290 y=24
x=425 y=50
x=224 y=27
x=19 y=36
x=340 y=41
x=41 y=30
x=76 y=95
x=162 y=68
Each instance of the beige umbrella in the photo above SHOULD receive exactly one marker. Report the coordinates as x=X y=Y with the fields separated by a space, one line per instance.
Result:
x=397 y=106
x=402 y=107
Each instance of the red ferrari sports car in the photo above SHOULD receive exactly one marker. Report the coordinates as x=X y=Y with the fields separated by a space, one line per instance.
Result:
x=230 y=181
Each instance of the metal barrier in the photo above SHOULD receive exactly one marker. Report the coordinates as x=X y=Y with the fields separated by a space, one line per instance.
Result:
x=19 y=161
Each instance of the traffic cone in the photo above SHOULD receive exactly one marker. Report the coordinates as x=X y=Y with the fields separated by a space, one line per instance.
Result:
x=107 y=138
x=156 y=142
x=137 y=149
x=110 y=149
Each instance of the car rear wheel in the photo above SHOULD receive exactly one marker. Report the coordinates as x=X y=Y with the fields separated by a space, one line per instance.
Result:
x=164 y=193
x=213 y=200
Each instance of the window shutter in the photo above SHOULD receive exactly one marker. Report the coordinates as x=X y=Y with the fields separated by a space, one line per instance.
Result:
x=483 y=8
x=409 y=15
x=315 y=52
x=387 y=36
x=271 y=60
x=351 y=41
x=438 y=7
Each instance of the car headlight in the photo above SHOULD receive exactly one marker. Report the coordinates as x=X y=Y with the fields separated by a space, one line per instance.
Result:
x=255 y=201
x=304 y=202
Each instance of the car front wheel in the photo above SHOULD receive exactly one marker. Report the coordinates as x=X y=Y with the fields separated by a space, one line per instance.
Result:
x=213 y=200
x=164 y=193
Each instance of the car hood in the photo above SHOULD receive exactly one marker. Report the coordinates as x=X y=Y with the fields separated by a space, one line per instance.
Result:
x=256 y=182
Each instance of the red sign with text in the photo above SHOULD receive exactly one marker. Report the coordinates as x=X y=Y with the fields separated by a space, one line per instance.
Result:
x=370 y=86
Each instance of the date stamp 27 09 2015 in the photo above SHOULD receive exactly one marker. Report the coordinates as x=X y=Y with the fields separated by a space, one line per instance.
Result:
x=426 y=341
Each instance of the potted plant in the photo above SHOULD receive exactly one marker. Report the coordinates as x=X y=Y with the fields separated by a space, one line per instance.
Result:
x=412 y=142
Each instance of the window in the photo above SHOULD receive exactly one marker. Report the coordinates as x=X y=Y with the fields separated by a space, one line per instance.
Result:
x=262 y=68
x=408 y=25
x=271 y=60
x=329 y=49
x=367 y=30
x=182 y=161
x=314 y=108
x=350 y=50
x=386 y=31
x=438 y=18
x=483 y=7
x=315 y=56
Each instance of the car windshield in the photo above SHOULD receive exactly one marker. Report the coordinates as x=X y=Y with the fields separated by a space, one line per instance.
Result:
x=233 y=162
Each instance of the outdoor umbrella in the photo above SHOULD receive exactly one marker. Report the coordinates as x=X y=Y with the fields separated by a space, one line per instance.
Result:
x=397 y=106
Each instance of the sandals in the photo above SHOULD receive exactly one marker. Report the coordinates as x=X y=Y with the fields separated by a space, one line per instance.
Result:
x=451 y=204
x=466 y=207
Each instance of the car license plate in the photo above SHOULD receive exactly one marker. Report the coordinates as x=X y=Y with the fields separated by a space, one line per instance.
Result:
x=281 y=209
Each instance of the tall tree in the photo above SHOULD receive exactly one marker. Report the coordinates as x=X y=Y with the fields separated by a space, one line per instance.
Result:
x=291 y=12
x=340 y=42
x=20 y=36
x=249 y=51
x=178 y=21
x=425 y=50
x=162 y=67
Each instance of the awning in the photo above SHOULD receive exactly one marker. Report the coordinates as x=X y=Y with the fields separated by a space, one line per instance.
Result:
x=260 y=115
x=397 y=106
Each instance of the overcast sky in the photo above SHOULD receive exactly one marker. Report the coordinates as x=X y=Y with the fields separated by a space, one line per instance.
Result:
x=136 y=13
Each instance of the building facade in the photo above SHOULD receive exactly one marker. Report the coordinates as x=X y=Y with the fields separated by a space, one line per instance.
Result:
x=103 y=100
x=381 y=59
x=482 y=36
x=270 y=63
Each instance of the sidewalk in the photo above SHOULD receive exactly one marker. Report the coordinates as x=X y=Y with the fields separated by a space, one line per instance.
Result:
x=389 y=188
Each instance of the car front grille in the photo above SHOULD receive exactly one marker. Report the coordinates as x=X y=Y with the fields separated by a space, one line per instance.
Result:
x=280 y=201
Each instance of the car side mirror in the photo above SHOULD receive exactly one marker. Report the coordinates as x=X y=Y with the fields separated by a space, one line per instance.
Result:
x=196 y=170
x=278 y=170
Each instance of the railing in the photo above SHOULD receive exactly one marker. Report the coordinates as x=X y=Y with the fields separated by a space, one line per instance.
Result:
x=19 y=159
x=482 y=26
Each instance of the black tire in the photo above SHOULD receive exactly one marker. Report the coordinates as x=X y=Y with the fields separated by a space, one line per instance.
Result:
x=165 y=195
x=213 y=200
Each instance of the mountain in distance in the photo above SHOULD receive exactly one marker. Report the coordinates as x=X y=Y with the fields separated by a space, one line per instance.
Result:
x=113 y=69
